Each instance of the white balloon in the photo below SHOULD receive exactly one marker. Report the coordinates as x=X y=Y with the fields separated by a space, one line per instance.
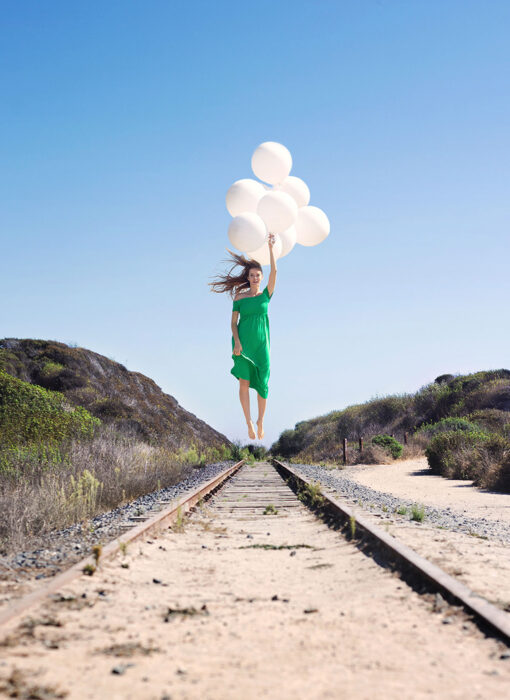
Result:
x=312 y=226
x=244 y=195
x=278 y=210
x=288 y=239
x=247 y=232
x=261 y=255
x=297 y=188
x=271 y=162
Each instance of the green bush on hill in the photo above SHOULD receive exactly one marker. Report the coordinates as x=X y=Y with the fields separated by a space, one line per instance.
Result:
x=388 y=443
x=30 y=414
x=447 y=425
x=477 y=455
x=464 y=421
x=454 y=453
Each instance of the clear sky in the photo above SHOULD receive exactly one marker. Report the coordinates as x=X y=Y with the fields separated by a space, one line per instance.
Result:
x=122 y=125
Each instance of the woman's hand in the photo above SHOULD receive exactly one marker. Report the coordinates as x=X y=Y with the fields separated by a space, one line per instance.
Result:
x=271 y=240
x=237 y=348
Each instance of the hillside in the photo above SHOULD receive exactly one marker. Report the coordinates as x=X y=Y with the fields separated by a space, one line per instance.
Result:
x=132 y=402
x=483 y=397
x=462 y=424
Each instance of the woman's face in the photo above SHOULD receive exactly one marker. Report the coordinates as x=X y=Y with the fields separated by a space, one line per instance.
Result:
x=254 y=276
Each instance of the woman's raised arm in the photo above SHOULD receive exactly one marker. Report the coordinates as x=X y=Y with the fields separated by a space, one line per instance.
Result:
x=272 y=275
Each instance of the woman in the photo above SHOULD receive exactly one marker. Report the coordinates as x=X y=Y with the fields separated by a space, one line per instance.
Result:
x=250 y=337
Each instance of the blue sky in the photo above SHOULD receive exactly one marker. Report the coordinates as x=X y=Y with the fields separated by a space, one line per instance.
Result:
x=122 y=125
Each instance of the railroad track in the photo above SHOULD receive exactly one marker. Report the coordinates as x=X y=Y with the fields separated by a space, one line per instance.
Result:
x=162 y=515
x=254 y=508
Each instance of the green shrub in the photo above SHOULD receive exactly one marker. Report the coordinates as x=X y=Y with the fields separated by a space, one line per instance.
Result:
x=492 y=420
x=390 y=444
x=447 y=425
x=31 y=414
x=454 y=453
x=482 y=457
x=258 y=451
x=236 y=451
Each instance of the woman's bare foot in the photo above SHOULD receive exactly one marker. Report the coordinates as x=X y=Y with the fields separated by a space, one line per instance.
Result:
x=251 y=430
x=260 y=430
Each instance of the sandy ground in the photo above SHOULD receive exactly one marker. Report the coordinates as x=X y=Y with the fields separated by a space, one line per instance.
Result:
x=412 y=479
x=315 y=621
x=481 y=564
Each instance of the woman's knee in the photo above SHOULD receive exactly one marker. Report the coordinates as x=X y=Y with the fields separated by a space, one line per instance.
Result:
x=244 y=383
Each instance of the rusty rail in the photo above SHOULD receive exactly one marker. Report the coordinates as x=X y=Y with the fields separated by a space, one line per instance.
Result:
x=406 y=559
x=162 y=519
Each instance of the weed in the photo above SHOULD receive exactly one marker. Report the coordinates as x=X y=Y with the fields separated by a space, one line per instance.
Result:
x=97 y=550
x=127 y=649
x=311 y=493
x=352 y=525
x=417 y=513
x=475 y=534
x=178 y=526
x=270 y=510
x=185 y=612
x=385 y=508
x=123 y=548
x=89 y=569
x=401 y=510
x=277 y=546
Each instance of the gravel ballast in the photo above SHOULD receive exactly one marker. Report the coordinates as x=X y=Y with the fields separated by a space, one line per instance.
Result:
x=65 y=547
x=386 y=505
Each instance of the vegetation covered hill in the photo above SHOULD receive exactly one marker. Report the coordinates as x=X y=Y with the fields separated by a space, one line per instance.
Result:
x=463 y=423
x=130 y=401
x=80 y=434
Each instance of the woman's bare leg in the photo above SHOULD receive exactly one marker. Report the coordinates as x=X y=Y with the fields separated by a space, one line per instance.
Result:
x=260 y=420
x=244 y=397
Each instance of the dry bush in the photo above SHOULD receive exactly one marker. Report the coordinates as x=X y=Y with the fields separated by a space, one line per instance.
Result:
x=413 y=449
x=42 y=492
x=372 y=454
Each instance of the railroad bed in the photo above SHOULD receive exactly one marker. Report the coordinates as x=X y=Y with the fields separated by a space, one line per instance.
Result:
x=252 y=596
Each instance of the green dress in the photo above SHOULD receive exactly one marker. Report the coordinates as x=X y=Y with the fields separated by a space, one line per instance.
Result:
x=253 y=362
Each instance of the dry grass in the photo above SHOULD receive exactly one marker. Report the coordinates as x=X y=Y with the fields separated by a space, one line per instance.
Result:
x=39 y=495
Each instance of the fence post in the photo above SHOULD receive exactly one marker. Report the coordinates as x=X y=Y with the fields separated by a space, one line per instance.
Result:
x=345 y=450
x=361 y=445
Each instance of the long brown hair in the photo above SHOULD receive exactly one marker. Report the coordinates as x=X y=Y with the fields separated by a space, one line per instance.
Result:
x=235 y=283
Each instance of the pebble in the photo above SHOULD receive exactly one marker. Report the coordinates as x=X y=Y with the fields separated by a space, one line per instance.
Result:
x=386 y=504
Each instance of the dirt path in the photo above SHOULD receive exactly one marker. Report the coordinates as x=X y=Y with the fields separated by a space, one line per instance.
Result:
x=412 y=479
x=314 y=618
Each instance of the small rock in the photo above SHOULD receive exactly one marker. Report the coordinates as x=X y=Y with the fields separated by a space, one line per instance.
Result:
x=156 y=580
x=439 y=603
x=293 y=553
x=307 y=611
x=275 y=597
x=120 y=669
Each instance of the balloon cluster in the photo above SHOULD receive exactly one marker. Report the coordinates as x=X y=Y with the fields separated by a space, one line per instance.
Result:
x=281 y=209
